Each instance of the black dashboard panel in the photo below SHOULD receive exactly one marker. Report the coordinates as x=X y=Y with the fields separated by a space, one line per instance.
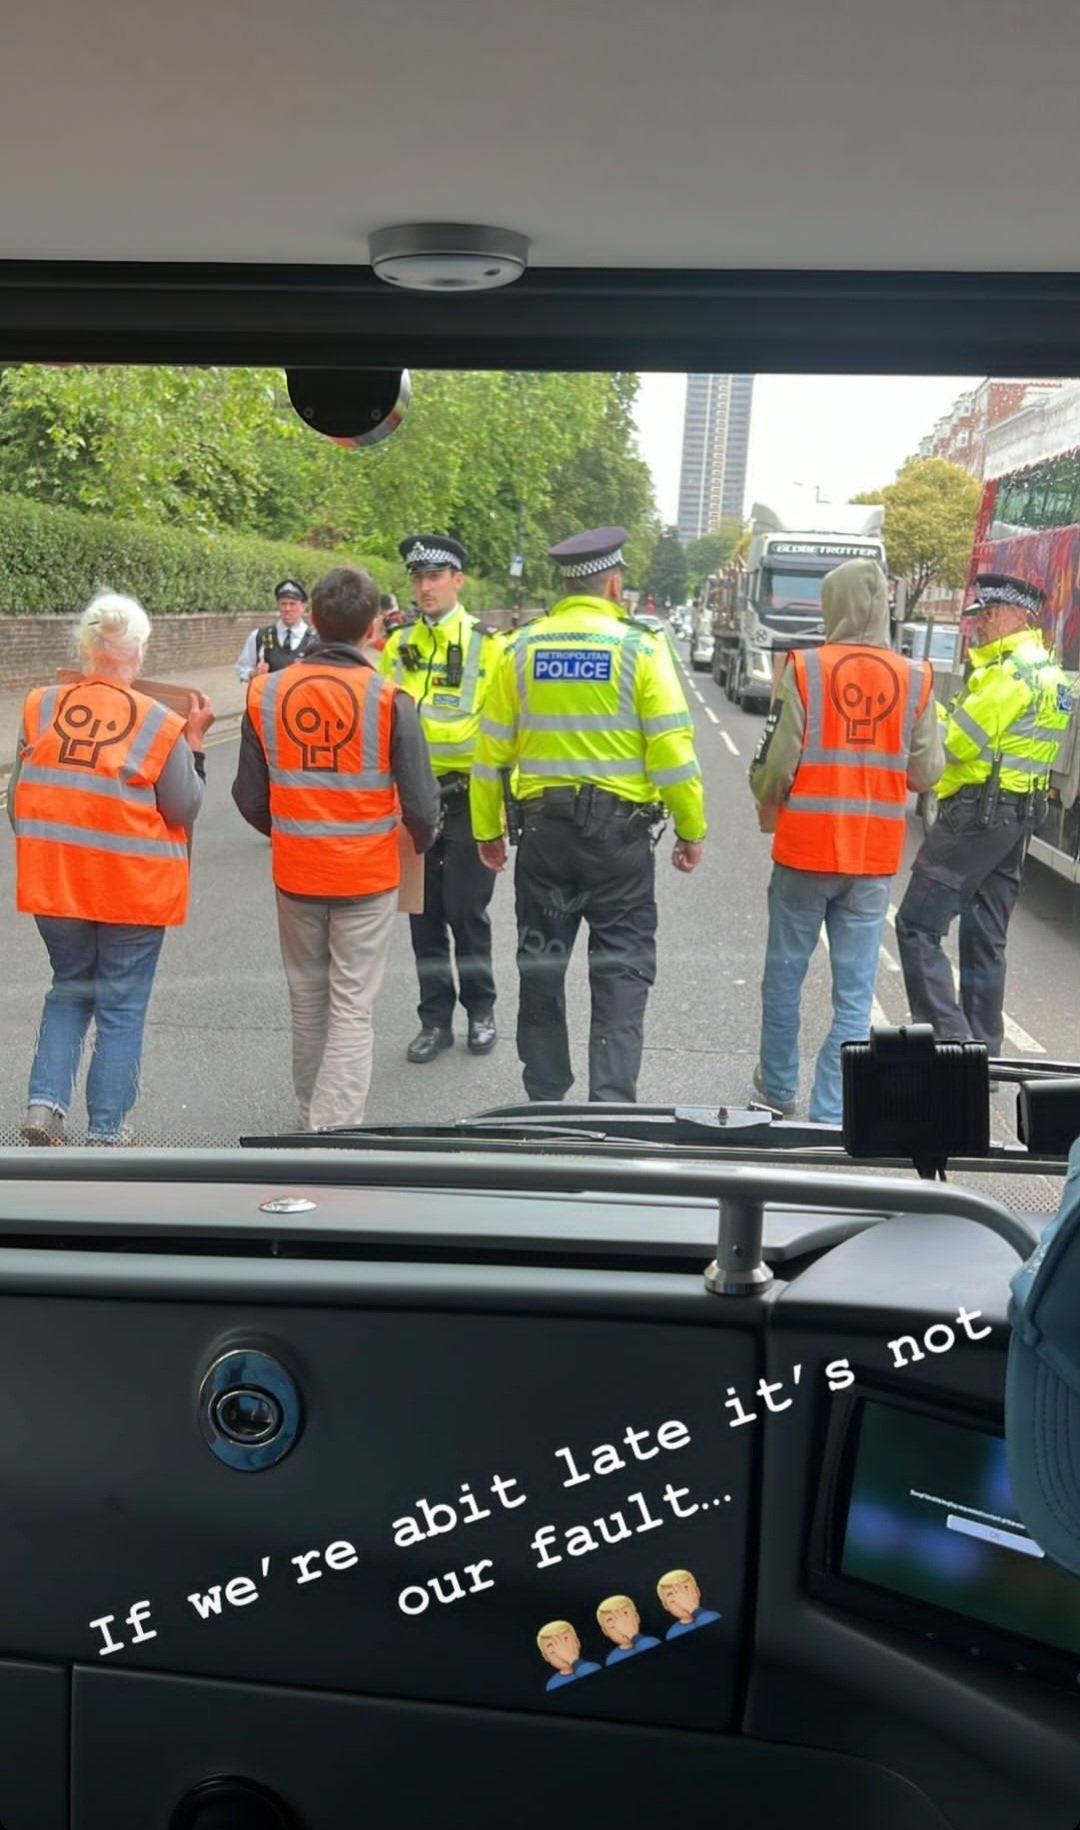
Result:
x=492 y=1446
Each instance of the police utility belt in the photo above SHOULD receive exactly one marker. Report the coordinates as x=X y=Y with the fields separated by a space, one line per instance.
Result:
x=452 y=786
x=592 y=807
x=1030 y=803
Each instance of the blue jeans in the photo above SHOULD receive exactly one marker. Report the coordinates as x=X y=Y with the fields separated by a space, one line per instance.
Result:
x=853 y=910
x=103 y=970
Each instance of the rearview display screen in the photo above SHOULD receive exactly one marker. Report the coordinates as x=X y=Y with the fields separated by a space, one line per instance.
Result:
x=931 y=1515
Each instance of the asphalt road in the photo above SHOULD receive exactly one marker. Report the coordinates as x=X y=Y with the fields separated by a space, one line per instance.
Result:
x=216 y=1060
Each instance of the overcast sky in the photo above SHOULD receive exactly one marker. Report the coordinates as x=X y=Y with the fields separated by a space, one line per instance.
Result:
x=840 y=433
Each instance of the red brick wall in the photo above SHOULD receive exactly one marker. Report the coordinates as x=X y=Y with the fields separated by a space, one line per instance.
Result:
x=33 y=647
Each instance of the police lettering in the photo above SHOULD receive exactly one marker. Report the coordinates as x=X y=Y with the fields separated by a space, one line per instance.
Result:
x=572 y=664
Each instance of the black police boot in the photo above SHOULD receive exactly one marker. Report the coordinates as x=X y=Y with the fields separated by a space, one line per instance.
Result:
x=428 y=1044
x=481 y=1035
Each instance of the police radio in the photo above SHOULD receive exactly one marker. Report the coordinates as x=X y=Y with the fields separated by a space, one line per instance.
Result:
x=453 y=664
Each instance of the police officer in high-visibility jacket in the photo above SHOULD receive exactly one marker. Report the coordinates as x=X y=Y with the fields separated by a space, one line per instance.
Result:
x=587 y=707
x=852 y=729
x=1002 y=733
x=444 y=662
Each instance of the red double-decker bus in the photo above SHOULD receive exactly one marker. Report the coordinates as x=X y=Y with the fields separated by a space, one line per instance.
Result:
x=1029 y=526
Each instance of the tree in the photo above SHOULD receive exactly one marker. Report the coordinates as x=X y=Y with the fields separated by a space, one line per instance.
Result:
x=711 y=551
x=930 y=515
x=667 y=572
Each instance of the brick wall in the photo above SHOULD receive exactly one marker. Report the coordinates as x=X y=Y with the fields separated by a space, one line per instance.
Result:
x=33 y=647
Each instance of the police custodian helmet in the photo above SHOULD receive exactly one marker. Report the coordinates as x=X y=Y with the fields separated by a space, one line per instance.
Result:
x=999 y=588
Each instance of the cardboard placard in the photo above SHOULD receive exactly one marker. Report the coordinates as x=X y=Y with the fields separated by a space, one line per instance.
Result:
x=411 y=888
x=177 y=698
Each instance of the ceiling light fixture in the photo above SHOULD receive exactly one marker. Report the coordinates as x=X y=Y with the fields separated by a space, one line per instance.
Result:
x=448 y=256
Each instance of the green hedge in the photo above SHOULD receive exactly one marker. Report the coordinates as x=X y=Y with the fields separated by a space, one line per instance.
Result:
x=53 y=559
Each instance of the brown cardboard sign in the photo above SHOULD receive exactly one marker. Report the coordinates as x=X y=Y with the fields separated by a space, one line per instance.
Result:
x=177 y=698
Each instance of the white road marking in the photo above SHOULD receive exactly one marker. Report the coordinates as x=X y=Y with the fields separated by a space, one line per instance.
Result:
x=709 y=713
x=732 y=747
x=1019 y=1037
x=890 y=964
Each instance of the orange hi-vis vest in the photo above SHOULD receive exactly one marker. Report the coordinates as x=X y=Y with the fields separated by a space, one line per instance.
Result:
x=91 y=843
x=846 y=809
x=325 y=732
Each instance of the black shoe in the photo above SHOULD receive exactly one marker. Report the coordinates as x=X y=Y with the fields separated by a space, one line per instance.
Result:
x=428 y=1044
x=481 y=1035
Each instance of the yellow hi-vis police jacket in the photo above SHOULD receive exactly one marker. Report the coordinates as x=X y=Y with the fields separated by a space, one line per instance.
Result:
x=449 y=715
x=1015 y=704
x=583 y=696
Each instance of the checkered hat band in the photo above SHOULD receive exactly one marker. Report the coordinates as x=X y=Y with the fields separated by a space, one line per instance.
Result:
x=1009 y=594
x=587 y=568
x=419 y=556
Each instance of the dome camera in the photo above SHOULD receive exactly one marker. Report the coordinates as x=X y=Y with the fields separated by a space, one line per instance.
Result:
x=354 y=407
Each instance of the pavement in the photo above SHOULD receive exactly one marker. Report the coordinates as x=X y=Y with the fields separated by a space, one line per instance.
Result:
x=226 y=693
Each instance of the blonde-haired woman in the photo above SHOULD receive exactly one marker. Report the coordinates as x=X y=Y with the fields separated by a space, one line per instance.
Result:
x=105 y=791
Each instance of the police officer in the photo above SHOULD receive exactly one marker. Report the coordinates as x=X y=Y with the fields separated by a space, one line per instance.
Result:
x=267 y=650
x=587 y=706
x=1002 y=732
x=443 y=661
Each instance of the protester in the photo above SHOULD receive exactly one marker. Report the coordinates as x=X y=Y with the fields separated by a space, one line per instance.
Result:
x=103 y=797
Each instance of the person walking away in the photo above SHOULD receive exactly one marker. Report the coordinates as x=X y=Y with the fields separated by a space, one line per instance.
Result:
x=444 y=661
x=1003 y=730
x=277 y=645
x=587 y=706
x=328 y=751
x=105 y=791
x=853 y=729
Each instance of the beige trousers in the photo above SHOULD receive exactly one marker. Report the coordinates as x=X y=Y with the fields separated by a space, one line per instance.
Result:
x=334 y=954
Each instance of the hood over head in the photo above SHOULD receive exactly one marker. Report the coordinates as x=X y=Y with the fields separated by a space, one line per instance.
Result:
x=855 y=604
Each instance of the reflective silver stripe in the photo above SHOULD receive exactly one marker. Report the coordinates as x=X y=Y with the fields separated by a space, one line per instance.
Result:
x=829 y=803
x=1024 y=765
x=48 y=708
x=1048 y=733
x=968 y=723
x=89 y=782
x=581 y=765
x=332 y=829
x=814 y=732
x=667 y=721
x=126 y=844
x=330 y=780
x=369 y=728
x=915 y=686
x=491 y=727
x=520 y=649
x=268 y=705
x=684 y=773
x=148 y=730
x=483 y=772
x=861 y=759
x=571 y=721
x=472 y=672
x=460 y=748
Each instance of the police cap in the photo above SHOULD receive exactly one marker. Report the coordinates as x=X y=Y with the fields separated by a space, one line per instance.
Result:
x=430 y=552
x=289 y=588
x=999 y=588
x=584 y=555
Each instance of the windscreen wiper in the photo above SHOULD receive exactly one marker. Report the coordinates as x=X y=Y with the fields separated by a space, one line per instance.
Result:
x=551 y=1123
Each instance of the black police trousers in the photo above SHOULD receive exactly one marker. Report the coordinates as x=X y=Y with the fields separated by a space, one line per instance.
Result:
x=974 y=871
x=457 y=890
x=600 y=873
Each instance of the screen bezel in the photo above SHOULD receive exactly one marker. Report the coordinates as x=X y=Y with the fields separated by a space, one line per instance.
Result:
x=938 y=1627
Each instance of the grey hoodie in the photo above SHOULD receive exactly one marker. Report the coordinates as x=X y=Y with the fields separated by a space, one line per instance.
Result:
x=855 y=608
